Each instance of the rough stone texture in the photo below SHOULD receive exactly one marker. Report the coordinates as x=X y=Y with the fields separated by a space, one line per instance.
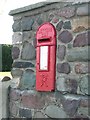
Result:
x=67 y=25
x=40 y=21
x=48 y=97
x=16 y=72
x=34 y=42
x=27 y=36
x=85 y=102
x=66 y=85
x=84 y=111
x=83 y=10
x=55 y=20
x=14 y=109
x=15 y=52
x=27 y=23
x=82 y=55
x=79 y=29
x=81 y=40
x=17 y=26
x=25 y=113
x=79 y=23
x=32 y=100
x=82 y=68
x=22 y=64
x=63 y=68
x=67 y=12
x=70 y=106
x=17 y=38
x=39 y=115
x=50 y=111
x=35 y=26
x=59 y=26
x=81 y=116
x=84 y=84
x=27 y=80
x=71 y=85
x=65 y=36
x=51 y=16
x=28 y=52
x=61 y=52
x=14 y=94
x=60 y=84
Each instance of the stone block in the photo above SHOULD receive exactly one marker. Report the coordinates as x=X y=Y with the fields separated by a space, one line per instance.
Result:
x=20 y=64
x=84 y=111
x=55 y=20
x=85 y=85
x=71 y=102
x=67 y=25
x=81 y=116
x=39 y=115
x=80 y=24
x=17 y=38
x=27 y=36
x=61 y=52
x=35 y=26
x=65 y=36
x=32 y=99
x=49 y=97
x=26 y=23
x=83 y=10
x=16 y=26
x=15 y=52
x=63 y=68
x=14 y=94
x=82 y=68
x=66 y=85
x=50 y=17
x=16 y=72
x=28 y=52
x=70 y=106
x=15 y=83
x=59 y=26
x=79 y=54
x=27 y=80
x=34 y=42
x=71 y=85
x=60 y=84
x=40 y=21
x=66 y=12
x=54 y=111
x=26 y=113
x=85 y=102
x=82 y=39
x=14 y=109
x=79 y=29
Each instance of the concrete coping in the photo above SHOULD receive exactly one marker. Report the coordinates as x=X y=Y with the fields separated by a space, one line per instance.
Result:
x=30 y=7
x=43 y=4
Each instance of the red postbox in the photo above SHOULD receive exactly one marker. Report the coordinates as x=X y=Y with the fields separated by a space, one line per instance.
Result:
x=45 y=57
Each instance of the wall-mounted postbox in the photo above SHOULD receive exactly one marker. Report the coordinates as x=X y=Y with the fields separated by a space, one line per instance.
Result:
x=45 y=57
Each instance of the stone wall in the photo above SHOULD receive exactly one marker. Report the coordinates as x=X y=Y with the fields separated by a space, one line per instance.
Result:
x=71 y=96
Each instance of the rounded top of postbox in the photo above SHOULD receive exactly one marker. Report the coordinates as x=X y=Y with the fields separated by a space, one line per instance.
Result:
x=46 y=31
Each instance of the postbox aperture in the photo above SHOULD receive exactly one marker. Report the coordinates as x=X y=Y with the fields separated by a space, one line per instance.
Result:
x=45 y=57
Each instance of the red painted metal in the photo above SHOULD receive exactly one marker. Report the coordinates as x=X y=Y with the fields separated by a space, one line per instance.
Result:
x=46 y=36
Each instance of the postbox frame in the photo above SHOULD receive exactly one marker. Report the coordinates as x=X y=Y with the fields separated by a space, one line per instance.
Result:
x=43 y=41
